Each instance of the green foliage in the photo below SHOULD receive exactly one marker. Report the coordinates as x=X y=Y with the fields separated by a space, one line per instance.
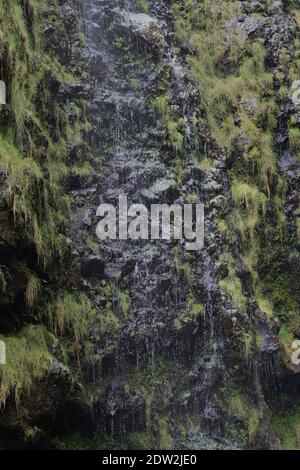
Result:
x=206 y=164
x=174 y=123
x=246 y=339
x=165 y=438
x=140 y=440
x=239 y=95
x=240 y=407
x=28 y=360
x=73 y=442
x=143 y=5
x=36 y=130
x=160 y=105
x=119 y=43
x=285 y=336
x=231 y=284
x=250 y=203
x=71 y=315
x=33 y=148
x=92 y=244
x=176 y=132
x=287 y=425
x=124 y=303
x=193 y=311
x=289 y=331
x=32 y=290
x=294 y=137
x=298 y=230
x=158 y=386
x=263 y=303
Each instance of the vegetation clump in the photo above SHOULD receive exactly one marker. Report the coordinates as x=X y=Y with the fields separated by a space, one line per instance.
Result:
x=28 y=361
x=37 y=126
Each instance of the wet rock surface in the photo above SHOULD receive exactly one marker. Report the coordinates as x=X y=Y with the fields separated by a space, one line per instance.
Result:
x=171 y=358
x=149 y=288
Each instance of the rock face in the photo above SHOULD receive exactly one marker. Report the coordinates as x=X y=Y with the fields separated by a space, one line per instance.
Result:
x=175 y=356
x=181 y=351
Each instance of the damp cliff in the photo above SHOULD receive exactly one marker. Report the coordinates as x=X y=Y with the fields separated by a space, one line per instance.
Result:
x=143 y=344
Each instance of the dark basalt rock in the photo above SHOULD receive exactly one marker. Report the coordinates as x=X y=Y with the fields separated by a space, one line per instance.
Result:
x=93 y=267
x=163 y=328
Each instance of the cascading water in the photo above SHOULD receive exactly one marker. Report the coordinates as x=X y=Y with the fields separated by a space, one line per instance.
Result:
x=147 y=290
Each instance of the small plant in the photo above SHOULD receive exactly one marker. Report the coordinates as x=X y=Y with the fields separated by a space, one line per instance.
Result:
x=195 y=309
x=165 y=438
x=3 y=282
x=176 y=132
x=240 y=407
x=119 y=43
x=143 y=5
x=231 y=284
x=160 y=105
x=124 y=303
x=71 y=314
x=251 y=203
x=294 y=137
x=32 y=290
x=28 y=360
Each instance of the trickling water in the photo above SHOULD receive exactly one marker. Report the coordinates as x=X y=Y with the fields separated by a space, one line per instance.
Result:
x=138 y=161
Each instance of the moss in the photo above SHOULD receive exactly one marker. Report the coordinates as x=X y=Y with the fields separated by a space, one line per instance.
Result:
x=264 y=304
x=294 y=138
x=206 y=164
x=259 y=341
x=231 y=284
x=160 y=105
x=32 y=290
x=33 y=155
x=176 y=133
x=280 y=281
x=124 y=303
x=73 y=442
x=192 y=198
x=35 y=134
x=286 y=338
x=246 y=340
x=28 y=360
x=165 y=438
x=287 y=426
x=106 y=329
x=143 y=5
x=83 y=170
x=71 y=315
x=298 y=230
x=158 y=385
x=140 y=441
x=173 y=121
x=195 y=309
x=240 y=407
x=296 y=14
x=191 y=314
x=252 y=201
x=231 y=73
x=92 y=244
x=134 y=84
